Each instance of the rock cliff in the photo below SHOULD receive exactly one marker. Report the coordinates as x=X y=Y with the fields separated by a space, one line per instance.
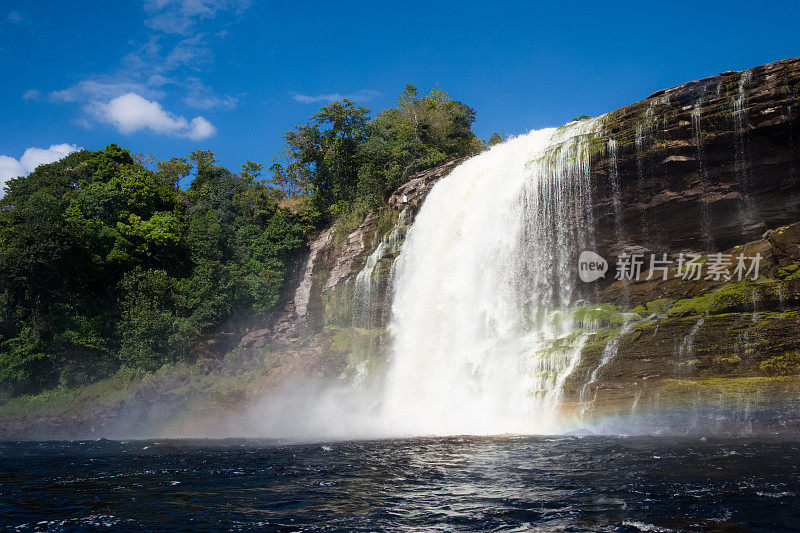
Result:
x=708 y=166
x=721 y=149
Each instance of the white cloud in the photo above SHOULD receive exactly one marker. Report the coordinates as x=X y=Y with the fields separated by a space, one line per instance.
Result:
x=14 y=17
x=200 y=128
x=145 y=71
x=32 y=158
x=9 y=168
x=31 y=95
x=180 y=16
x=188 y=52
x=202 y=97
x=168 y=60
x=130 y=113
x=99 y=90
x=359 y=97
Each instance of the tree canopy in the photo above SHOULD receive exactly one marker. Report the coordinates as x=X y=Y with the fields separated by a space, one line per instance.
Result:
x=341 y=157
x=110 y=261
x=104 y=263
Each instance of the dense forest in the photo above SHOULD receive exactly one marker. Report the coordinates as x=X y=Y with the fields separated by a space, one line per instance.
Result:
x=108 y=262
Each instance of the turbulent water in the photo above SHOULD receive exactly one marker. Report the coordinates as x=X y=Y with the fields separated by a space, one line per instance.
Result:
x=434 y=484
x=481 y=287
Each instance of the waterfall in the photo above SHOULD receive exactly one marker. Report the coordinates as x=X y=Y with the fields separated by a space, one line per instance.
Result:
x=639 y=157
x=609 y=353
x=705 y=216
x=644 y=134
x=741 y=156
x=613 y=149
x=684 y=352
x=374 y=269
x=367 y=315
x=738 y=102
x=481 y=337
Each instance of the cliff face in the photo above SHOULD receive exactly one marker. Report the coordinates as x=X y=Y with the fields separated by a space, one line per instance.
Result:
x=708 y=166
x=322 y=293
x=721 y=149
x=703 y=167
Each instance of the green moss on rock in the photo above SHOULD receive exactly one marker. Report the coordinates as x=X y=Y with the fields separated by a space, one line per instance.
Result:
x=338 y=304
x=782 y=365
x=698 y=306
x=658 y=307
x=603 y=315
x=742 y=296
x=734 y=388
x=789 y=272
x=729 y=362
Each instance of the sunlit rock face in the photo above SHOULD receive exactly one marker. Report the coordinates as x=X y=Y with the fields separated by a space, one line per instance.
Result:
x=705 y=165
x=488 y=328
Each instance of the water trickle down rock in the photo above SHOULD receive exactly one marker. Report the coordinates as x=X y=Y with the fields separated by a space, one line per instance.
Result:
x=705 y=215
x=741 y=156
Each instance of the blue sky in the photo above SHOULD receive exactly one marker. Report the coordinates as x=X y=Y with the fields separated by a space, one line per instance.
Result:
x=171 y=76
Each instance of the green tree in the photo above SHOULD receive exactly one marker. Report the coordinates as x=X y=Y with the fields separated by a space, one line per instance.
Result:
x=147 y=327
x=105 y=263
x=418 y=133
x=174 y=170
x=324 y=153
x=495 y=138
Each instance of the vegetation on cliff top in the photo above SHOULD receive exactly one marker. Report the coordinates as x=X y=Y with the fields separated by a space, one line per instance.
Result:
x=346 y=162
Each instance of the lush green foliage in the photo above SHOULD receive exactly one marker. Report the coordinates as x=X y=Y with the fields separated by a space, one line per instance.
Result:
x=105 y=263
x=496 y=138
x=342 y=158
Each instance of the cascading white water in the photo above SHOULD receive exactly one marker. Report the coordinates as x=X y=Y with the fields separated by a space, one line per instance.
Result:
x=367 y=279
x=481 y=286
x=613 y=149
x=685 y=349
x=609 y=353
x=748 y=216
x=738 y=102
x=705 y=215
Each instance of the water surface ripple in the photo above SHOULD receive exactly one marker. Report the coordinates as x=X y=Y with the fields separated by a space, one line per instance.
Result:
x=434 y=484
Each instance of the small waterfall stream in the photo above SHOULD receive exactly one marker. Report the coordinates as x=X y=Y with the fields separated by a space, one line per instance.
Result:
x=377 y=266
x=705 y=216
x=613 y=149
x=609 y=353
x=741 y=156
x=684 y=352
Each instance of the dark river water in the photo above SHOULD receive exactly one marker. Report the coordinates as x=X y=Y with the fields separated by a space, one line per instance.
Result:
x=439 y=484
